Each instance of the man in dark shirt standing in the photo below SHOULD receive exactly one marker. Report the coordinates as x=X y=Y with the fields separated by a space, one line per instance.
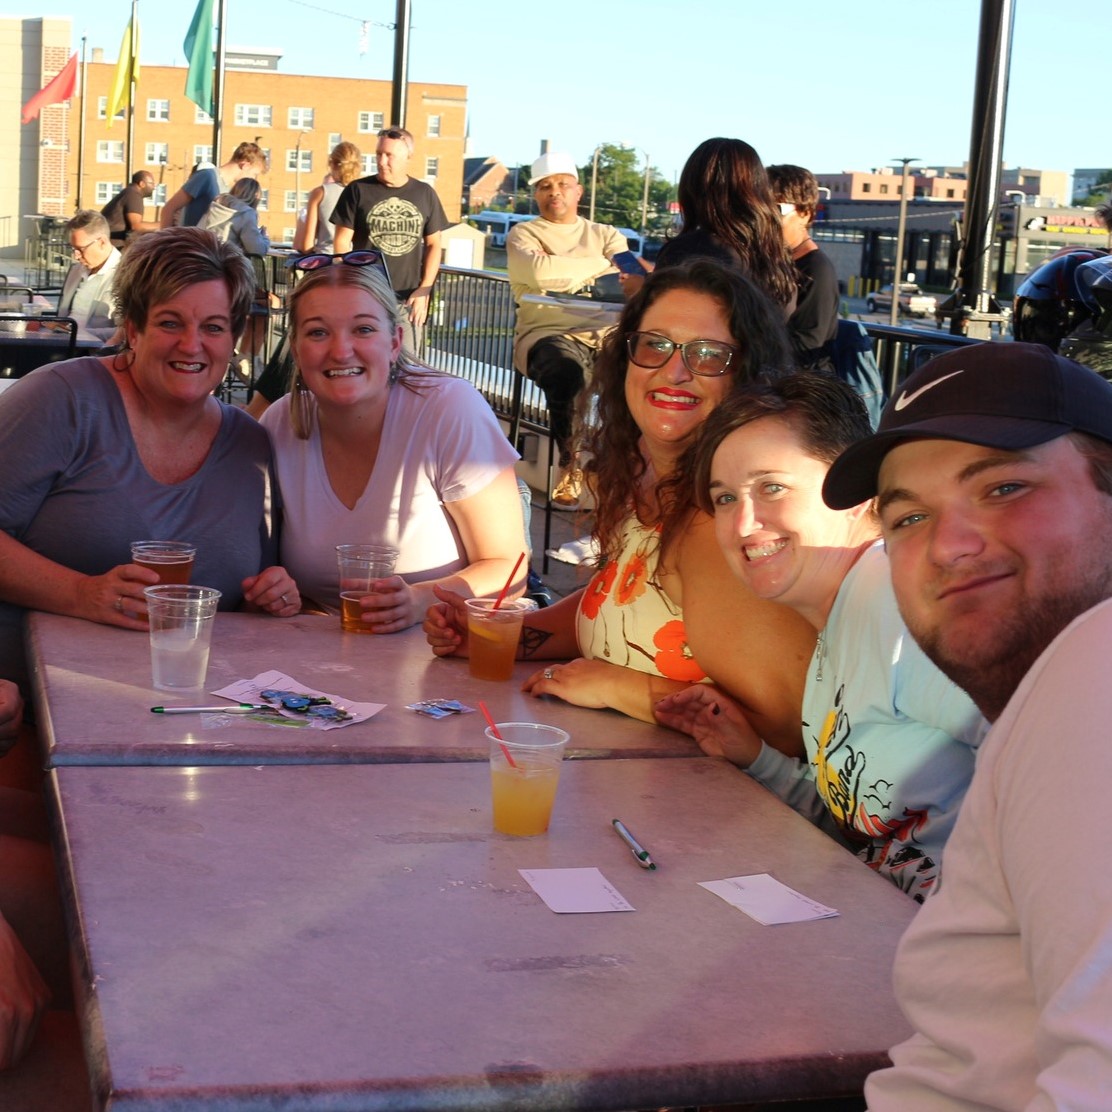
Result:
x=124 y=212
x=402 y=218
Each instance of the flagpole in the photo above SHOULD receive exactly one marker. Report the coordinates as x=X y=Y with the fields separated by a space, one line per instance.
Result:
x=81 y=126
x=131 y=89
x=218 y=84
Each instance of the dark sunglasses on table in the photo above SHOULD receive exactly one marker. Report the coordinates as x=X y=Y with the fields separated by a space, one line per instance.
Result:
x=352 y=258
x=709 y=358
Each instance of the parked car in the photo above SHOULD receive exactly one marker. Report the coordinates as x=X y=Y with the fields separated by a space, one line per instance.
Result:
x=913 y=301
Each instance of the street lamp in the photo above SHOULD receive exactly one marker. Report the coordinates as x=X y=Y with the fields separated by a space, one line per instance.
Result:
x=297 y=169
x=594 y=180
x=894 y=313
x=645 y=198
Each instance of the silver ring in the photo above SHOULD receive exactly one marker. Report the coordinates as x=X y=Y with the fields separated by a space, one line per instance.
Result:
x=119 y=604
x=548 y=673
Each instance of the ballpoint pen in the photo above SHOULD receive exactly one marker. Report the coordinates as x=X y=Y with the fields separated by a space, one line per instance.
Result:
x=229 y=708
x=638 y=851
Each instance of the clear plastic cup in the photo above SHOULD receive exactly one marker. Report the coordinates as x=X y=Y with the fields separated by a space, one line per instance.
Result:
x=181 y=619
x=493 y=636
x=171 y=560
x=524 y=774
x=359 y=566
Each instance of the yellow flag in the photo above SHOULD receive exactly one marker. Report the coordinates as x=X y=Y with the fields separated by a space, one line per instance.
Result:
x=127 y=70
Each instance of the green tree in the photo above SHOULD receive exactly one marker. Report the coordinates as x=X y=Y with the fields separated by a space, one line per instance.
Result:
x=620 y=189
x=1100 y=192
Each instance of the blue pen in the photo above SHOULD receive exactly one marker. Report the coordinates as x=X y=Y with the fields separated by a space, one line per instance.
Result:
x=638 y=851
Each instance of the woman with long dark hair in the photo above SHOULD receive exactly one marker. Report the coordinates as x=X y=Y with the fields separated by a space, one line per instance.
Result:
x=729 y=215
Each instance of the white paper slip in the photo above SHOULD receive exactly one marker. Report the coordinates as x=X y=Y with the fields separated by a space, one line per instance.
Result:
x=575 y=890
x=250 y=691
x=768 y=901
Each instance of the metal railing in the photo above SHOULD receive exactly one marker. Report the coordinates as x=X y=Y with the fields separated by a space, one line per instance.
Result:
x=470 y=334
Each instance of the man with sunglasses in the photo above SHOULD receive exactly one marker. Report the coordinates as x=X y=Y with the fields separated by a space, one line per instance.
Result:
x=87 y=288
x=399 y=216
x=559 y=252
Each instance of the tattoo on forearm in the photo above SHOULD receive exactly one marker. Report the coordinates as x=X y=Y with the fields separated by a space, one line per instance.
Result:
x=532 y=640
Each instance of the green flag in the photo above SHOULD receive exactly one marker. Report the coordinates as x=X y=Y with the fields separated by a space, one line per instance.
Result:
x=198 y=49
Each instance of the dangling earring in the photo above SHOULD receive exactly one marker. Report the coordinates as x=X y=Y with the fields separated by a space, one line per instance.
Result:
x=392 y=377
x=123 y=359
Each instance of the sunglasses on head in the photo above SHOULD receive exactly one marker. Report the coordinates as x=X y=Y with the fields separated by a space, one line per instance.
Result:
x=351 y=258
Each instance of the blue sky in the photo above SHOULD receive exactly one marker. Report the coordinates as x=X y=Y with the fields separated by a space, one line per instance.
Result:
x=830 y=86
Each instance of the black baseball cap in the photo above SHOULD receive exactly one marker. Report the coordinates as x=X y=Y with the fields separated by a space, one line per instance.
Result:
x=997 y=394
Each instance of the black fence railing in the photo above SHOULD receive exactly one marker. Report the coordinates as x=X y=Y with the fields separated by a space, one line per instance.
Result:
x=470 y=334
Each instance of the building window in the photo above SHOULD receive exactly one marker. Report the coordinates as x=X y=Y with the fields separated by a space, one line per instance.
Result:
x=370 y=164
x=200 y=116
x=292 y=203
x=884 y=189
x=110 y=150
x=106 y=190
x=301 y=118
x=866 y=187
x=432 y=167
x=288 y=234
x=306 y=159
x=157 y=153
x=202 y=153
x=949 y=192
x=434 y=126
x=102 y=110
x=158 y=111
x=264 y=200
x=371 y=122
x=158 y=197
x=334 y=139
x=252 y=115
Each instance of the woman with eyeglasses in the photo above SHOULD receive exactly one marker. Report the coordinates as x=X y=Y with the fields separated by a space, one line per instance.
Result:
x=372 y=447
x=729 y=215
x=890 y=741
x=102 y=451
x=656 y=618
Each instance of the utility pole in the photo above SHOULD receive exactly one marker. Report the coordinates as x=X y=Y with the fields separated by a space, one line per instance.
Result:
x=901 y=229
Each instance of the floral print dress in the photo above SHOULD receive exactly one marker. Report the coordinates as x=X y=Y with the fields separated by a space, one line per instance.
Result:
x=625 y=617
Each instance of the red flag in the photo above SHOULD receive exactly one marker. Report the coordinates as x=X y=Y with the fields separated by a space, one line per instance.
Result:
x=61 y=87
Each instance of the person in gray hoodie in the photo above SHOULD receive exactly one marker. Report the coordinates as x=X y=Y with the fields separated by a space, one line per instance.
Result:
x=232 y=218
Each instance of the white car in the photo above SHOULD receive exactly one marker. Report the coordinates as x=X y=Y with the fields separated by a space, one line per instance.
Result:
x=913 y=301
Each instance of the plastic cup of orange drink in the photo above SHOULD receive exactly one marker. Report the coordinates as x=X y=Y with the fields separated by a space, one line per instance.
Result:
x=524 y=774
x=493 y=634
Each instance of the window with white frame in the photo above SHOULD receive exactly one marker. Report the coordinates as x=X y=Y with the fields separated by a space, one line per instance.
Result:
x=253 y=115
x=334 y=139
x=102 y=110
x=288 y=234
x=292 y=202
x=264 y=200
x=158 y=197
x=106 y=190
x=110 y=150
x=157 y=153
x=371 y=122
x=202 y=153
x=305 y=158
x=432 y=167
x=200 y=116
x=370 y=164
x=434 y=126
x=301 y=117
x=158 y=111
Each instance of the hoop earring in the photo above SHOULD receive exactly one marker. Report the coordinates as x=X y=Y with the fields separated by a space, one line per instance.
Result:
x=127 y=356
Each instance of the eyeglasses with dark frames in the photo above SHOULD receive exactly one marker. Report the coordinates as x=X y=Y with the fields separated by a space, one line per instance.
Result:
x=707 y=358
x=365 y=257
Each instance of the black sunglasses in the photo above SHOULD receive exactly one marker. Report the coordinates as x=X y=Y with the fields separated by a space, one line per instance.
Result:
x=366 y=257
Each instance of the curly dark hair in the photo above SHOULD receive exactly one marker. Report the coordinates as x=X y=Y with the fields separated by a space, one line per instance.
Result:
x=611 y=438
x=724 y=191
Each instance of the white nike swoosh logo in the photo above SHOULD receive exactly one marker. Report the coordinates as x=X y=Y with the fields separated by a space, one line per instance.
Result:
x=905 y=399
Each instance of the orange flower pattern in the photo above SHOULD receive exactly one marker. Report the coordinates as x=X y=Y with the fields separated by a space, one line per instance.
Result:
x=626 y=618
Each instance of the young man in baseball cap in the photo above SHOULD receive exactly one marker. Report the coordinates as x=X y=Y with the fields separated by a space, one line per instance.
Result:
x=992 y=470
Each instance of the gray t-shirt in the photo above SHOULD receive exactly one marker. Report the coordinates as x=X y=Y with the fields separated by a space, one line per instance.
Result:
x=76 y=491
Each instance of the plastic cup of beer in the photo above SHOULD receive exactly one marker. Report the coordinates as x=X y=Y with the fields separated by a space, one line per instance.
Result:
x=359 y=566
x=181 y=619
x=171 y=560
x=524 y=774
x=493 y=634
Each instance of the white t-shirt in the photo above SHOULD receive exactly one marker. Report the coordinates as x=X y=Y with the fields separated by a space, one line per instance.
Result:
x=441 y=445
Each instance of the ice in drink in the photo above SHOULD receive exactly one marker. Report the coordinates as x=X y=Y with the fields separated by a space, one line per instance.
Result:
x=179 y=659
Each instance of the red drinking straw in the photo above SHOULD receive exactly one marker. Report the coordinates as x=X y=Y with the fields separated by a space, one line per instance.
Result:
x=502 y=593
x=494 y=730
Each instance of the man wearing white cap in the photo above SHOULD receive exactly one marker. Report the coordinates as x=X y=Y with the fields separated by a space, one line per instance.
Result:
x=559 y=252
